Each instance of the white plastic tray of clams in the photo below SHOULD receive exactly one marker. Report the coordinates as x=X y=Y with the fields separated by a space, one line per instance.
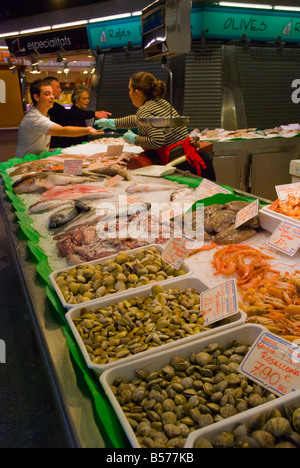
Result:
x=132 y=254
x=247 y=419
x=246 y=334
x=235 y=320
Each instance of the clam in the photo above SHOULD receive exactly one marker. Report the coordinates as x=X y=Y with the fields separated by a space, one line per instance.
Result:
x=278 y=427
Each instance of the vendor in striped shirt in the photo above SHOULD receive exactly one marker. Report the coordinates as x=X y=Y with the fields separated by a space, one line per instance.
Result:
x=147 y=94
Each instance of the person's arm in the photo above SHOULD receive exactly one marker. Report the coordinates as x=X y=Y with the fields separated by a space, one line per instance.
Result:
x=68 y=131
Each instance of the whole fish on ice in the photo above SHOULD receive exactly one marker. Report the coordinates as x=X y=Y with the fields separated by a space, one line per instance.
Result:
x=62 y=216
x=46 y=180
x=75 y=192
x=48 y=205
x=148 y=187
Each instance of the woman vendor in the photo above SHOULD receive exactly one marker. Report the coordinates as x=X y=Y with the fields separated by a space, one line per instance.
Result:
x=147 y=94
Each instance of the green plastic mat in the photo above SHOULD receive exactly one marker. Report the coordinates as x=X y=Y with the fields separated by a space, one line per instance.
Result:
x=105 y=417
x=107 y=421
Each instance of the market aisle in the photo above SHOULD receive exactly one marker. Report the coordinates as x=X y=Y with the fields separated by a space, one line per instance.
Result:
x=28 y=414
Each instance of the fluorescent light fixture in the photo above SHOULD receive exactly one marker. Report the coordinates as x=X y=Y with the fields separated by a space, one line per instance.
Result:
x=136 y=13
x=3 y=48
x=108 y=18
x=43 y=28
x=288 y=8
x=246 y=5
x=15 y=33
x=67 y=25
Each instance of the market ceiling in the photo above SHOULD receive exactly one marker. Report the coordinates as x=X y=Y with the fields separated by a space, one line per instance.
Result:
x=12 y=9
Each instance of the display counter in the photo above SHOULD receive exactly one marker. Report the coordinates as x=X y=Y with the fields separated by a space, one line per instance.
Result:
x=255 y=165
x=89 y=418
x=71 y=391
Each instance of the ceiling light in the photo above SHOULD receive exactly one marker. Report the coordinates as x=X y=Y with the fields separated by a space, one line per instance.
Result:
x=136 y=13
x=288 y=8
x=85 y=72
x=15 y=33
x=44 y=28
x=67 y=25
x=108 y=18
x=66 y=68
x=246 y=5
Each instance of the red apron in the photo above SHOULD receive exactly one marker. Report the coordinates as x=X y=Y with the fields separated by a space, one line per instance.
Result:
x=192 y=155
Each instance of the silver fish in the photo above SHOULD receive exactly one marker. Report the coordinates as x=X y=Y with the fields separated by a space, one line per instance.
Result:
x=62 y=216
x=148 y=187
x=48 y=205
x=112 y=171
x=180 y=192
x=47 y=180
x=85 y=218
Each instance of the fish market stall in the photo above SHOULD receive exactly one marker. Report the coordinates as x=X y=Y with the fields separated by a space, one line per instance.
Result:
x=59 y=228
x=243 y=159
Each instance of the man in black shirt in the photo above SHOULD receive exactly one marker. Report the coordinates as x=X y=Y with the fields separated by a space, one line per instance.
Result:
x=60 y=115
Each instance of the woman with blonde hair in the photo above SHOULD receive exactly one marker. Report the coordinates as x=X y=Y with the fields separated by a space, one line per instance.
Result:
x=148 y=95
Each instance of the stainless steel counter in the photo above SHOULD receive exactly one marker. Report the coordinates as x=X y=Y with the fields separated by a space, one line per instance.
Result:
x=255 y=165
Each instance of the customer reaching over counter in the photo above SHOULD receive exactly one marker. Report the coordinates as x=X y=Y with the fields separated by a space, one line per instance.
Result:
x=77 y=115
x=36 y=127
x=147 y=94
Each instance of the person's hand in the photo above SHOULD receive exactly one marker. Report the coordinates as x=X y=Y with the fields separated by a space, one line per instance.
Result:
x=130 y=137
x=94 y=131
x=102 y=114
x=105 y=123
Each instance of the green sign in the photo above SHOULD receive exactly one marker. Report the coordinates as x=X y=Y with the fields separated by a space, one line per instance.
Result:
x=216 y=22
x=232 y=23
x=116 y=33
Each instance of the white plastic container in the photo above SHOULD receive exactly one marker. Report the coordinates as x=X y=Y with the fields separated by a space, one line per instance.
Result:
x=238 y=318
x=269 y=220
x=247 y=334
x=101 y=261
x=290 y=401
x=295 y=170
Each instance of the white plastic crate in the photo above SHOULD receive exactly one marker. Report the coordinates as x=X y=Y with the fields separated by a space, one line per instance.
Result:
x=235 y=320
x=246 y=334
x=101 y=261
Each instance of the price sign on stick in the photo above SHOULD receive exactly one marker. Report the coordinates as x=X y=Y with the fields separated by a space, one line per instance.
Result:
x=288 y=190
x=114 y=150
x=286 y=238
x=208 y=189
x=176 y=250
x=219 y=302
x=73 y=166
x=274 y=363
x=246 y=213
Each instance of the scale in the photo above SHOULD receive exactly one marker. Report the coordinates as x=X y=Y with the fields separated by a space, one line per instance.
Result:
x=166 y=32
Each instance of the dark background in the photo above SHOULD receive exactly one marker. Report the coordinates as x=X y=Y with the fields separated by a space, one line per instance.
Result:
x=12 y=9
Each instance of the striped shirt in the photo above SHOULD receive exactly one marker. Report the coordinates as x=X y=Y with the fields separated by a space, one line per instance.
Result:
x=149 y=137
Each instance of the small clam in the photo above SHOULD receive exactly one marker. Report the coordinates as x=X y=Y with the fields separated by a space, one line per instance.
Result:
x=278 y=426
x=201 y=442
x=224 y=440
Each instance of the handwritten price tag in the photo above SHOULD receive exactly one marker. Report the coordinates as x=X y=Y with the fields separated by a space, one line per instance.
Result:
x=274 y=363
x=246 y=213
x=208 y=189
x=287 y=190
x=286 y=238
x=176 y=250
x=219 y=302
x=73 y=166
x=114 y=150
